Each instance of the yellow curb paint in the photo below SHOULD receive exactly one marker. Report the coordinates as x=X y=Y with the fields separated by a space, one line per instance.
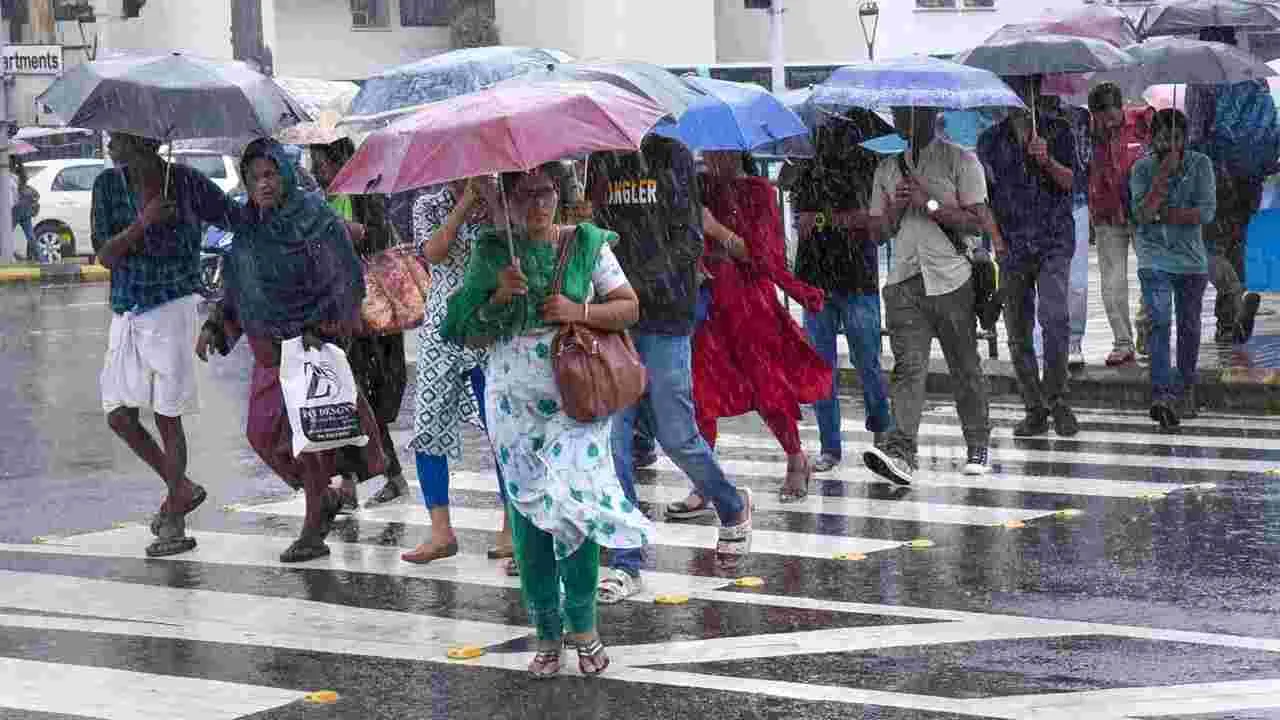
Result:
x=1068 y=513
x=920 y=544
x=466 y=652
x=671 y=599
x=321 y=697
x=1014 y=524
x=849 y=556
x=19 y=273
x=749 y=582
x=94 y=272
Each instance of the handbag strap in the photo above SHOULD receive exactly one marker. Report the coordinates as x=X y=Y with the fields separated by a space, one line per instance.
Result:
x=954 y=237
x=567 y=238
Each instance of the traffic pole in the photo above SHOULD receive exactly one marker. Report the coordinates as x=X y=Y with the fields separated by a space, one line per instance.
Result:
x=7 y=242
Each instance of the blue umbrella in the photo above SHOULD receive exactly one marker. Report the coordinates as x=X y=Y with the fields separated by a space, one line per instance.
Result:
x=447 y=75
x=739 y=116
x=914 y=82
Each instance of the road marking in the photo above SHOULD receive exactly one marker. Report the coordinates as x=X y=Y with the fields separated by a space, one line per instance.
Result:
x=815 y=504
x=219 y=548
x=210 y=614
x=110 y=694
x=1138 y=418
x=1182 y=700
x=769 y=542
x=853 y=472
x=1004 y=436
x=86 y=304
x=1020 y=455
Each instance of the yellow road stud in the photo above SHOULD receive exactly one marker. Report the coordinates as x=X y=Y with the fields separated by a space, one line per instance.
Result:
x=920 y=544
x=671 y=599
x=466 y=652
x=749 y=582
x=321 y=697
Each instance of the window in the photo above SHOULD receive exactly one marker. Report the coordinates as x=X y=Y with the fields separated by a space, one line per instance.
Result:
x=953 y=4
x=370 y=14
x=211 y=166
x=76 y=179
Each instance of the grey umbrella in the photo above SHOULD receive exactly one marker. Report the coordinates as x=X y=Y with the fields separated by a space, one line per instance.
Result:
x=1183 y=60
x=172 y=97
x=1045 y=54
x=1191 y=16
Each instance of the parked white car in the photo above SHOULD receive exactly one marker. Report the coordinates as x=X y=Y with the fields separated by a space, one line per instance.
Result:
x=66 y=195
x=64 y=229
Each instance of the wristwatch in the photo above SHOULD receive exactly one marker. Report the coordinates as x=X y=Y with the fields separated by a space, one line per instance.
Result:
x=932 y=206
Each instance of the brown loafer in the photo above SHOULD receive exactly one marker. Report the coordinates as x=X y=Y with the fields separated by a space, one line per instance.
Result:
x=425 y=553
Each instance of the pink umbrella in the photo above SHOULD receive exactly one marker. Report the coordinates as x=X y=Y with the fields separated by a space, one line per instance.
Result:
x=22 y=147
x=1102 y=23
x=500 y=129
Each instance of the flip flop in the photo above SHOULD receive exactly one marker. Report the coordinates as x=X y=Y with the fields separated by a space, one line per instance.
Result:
x=424 y=558
x=500 y=553
x=171 y=546
x=198 y=496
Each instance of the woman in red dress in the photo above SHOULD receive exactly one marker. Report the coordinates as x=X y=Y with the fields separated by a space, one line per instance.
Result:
x=750 y=354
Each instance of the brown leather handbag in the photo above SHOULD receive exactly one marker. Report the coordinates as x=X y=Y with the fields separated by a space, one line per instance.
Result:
x=598 y=372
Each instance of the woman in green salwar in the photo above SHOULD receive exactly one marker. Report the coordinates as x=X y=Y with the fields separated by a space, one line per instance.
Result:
x=563 y=497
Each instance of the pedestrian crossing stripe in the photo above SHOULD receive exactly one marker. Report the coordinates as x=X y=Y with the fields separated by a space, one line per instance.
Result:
x=1008 y=455
x=769 y=542
x=98 y=692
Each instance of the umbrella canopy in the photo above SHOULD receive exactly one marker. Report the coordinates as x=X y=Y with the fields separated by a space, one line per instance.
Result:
x=326 y=101
x=30 y=132
x=446 y=75
x=651 y=81
x=501 y=129
x=914 y=82
x=742 y=117
x=962 y=127
x=1183 y=60
x=22 y=147
x=1044 y=55
x=1191 y=16
x=1098 y=22
x=171 y=97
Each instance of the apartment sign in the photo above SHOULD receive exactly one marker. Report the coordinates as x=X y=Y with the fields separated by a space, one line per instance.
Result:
x=32 y=59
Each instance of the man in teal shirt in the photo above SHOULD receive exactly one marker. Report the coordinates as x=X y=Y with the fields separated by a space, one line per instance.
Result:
x=1174 y=195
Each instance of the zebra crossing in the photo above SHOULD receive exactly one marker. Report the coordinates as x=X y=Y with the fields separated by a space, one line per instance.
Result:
x=858 y=577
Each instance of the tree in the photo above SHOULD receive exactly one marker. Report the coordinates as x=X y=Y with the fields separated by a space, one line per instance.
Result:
x=473 y=24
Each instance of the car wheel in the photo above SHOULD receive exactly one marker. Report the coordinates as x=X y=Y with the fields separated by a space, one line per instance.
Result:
x=54 y=241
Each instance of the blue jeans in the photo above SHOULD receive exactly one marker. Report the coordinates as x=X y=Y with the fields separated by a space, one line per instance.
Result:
x=670 y=398
x=644 y=439
x=1165 y=293
x=859 y=317
x=433 y=470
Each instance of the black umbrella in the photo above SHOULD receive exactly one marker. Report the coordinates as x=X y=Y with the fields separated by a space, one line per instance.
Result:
x=1181 y=17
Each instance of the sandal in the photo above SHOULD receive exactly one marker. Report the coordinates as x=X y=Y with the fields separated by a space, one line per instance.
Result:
x=171 y=536
x=394 y=489
x=789 y=493
x=500 y=552
x=682 y=510
x=545 y=665
x=348 y=502
x=305 y=548
x=425 y=553
x=594 y=652
x=735 y=542
x=198 y=496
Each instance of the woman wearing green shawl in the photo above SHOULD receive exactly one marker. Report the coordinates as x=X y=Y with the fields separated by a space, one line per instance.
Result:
x=564 y=499
x=291 y=272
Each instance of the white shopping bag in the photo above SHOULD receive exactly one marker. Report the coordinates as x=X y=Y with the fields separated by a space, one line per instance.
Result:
x=320 y=395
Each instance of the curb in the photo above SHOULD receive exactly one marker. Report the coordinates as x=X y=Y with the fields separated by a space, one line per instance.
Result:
x=59 y=273
x=1249 y=390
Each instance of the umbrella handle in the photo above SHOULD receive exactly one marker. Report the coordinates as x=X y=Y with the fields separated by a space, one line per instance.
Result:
x=506 y=221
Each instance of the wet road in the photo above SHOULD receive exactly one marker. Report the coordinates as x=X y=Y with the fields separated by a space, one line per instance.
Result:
x=1123 y=573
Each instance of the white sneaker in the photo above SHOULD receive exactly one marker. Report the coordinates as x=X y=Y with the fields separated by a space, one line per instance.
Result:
x=617 y=585
x=978 y=462
x=1075 y=360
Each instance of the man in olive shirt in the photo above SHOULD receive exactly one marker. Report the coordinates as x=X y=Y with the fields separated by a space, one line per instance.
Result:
x=929 y=292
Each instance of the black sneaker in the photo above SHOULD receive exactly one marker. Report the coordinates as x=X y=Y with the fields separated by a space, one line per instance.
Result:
x=1244 y=324
x=1064 y=421
x=977 y=462
x=1035 y=423
x=888 y=466
x=1165 y=415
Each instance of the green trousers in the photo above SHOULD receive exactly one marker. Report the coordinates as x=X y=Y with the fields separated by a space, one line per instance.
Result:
x=541 y=575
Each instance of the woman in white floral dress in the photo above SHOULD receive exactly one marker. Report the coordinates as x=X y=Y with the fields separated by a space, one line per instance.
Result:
x=563 y=496
x=450 y=383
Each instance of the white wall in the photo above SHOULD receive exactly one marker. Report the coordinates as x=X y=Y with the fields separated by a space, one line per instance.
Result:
x=200 y=27
x=828 y=31
x=314 y=38
x=665 y=32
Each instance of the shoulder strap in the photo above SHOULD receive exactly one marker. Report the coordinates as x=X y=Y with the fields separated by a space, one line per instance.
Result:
x=567 y=237
x=956 y=241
